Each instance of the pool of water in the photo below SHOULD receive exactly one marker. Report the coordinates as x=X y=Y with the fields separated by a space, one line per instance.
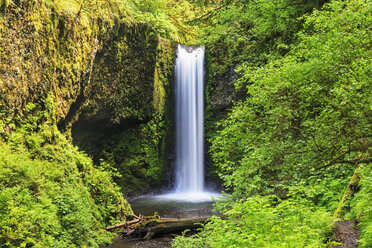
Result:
x=175 y=205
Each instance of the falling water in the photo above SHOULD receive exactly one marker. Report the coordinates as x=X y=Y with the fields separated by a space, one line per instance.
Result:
x=189 y=119
x=189 y=86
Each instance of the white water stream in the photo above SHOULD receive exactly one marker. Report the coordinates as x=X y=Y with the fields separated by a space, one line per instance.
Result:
x=190 y=119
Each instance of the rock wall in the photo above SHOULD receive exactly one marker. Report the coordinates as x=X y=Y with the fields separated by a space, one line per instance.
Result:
x=42 y=51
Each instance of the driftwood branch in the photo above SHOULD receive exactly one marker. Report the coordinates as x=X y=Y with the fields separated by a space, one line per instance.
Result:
x=125 y=224
x=128 y=223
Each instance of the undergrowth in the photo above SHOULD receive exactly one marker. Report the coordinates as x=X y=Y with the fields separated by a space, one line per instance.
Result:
x=265 y=222
x=51 y=195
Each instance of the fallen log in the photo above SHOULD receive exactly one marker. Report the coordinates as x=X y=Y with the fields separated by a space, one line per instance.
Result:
x=148 y=229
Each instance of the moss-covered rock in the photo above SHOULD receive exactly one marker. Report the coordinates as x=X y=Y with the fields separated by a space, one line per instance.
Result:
x=131 y=125
x=122 y=82
x=42 y=51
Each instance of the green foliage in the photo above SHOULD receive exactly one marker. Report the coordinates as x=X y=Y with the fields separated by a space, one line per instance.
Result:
x=250 y=32
x=51 y=195
x=137 y=155
x=163 y=16
x=298 y=135
x=264 y=222
x=166 y=17
x=306 y=115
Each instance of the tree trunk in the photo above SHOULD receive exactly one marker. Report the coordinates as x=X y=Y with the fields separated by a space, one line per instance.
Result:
x=349 y=191
x=149 y=229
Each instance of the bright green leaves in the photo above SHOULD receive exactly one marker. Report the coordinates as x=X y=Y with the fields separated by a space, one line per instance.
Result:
x=264 y=222
x=51 y=195
x=167 y=18
x=306 y=110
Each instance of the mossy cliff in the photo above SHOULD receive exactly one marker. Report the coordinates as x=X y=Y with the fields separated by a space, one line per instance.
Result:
x=43 y=51
x=90 y=74
x=127 y=117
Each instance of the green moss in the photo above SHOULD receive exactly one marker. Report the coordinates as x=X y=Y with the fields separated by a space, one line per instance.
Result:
x=3 y=5
x=49 y=45
x=349 y=192
x=122 y=78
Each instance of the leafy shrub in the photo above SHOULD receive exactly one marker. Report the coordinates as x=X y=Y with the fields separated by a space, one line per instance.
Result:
x=306 y=115
x=51 y=195
x=262 y=222
x=252 y=31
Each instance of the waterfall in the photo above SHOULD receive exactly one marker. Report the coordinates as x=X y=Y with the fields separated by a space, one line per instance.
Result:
x=189 y=88
x=189 y=98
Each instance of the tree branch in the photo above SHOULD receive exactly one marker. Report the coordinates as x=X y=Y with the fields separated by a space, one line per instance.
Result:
x=363 y=158
x=209 y=14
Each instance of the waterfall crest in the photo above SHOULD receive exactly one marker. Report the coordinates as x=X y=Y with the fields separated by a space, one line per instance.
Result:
x=189 y=88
